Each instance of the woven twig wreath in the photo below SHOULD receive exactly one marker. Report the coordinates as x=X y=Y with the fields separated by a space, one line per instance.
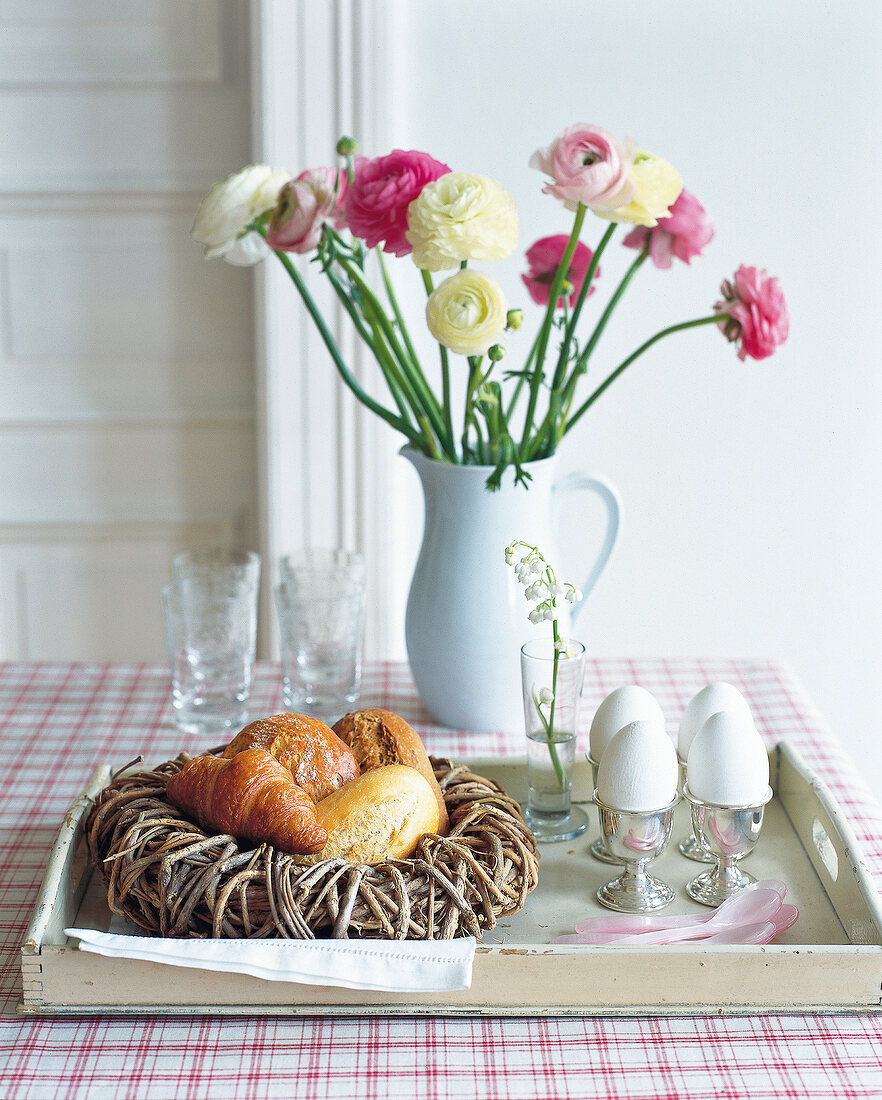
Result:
x=169 y=877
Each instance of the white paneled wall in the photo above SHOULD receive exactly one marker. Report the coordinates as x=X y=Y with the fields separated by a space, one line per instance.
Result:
x=126 y=378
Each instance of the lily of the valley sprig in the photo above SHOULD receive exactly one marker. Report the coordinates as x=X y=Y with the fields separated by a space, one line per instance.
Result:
x=543 y=590
x=490 y=396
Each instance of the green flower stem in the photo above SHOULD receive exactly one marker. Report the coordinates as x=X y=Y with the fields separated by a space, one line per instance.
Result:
x=349 y=306
x=469 y=419
x=521 y=380
x=547 y=438
x=547 y=322
x=427 y=396
x=394 y=421
x=570 y=330
x=396 y=382
x=423 y=401
x=396 y=309
x=399 y=383
x=549 y=723
x=715 y=318
x=585 y=355
x=373 y=339
x=445 y=366
x=555 y=665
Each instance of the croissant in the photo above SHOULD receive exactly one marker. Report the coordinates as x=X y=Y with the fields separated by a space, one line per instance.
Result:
x=316 y=757
x=250 y=795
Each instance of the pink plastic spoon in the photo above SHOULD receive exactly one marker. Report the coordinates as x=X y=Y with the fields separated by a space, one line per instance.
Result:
x=746 y=907
x=747 y=933
x=625 y=922
x=758 y=933
x=785 y=918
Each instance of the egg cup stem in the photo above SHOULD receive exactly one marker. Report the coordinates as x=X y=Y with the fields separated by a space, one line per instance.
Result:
x=635 y=891
x=634 y=839
x=729 y=833
x=721 y=882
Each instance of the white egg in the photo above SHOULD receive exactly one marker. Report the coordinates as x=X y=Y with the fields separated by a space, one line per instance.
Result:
x=728 y=764
x=630 y=703
x=711 y=699
x=638 y=770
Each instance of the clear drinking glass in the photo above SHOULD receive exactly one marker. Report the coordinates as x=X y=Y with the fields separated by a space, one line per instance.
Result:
x=218 y=571
x=321 y=631
x=329 y=567
x=212 y=638
x=551 y=693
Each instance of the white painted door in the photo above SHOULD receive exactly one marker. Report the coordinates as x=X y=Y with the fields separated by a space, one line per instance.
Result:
x=331 y=474
x=126 y=361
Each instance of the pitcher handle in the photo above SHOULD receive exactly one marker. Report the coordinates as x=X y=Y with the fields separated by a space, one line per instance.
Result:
x=575 y=482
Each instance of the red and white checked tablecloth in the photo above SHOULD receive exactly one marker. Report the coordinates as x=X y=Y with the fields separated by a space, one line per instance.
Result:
x=59 y=720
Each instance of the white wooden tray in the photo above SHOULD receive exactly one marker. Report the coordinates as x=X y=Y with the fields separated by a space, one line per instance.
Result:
x=829 y=962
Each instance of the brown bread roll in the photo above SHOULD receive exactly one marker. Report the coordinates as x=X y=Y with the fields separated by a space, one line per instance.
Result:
x=378 y=737
x=250 y=795
x=379 y=816
x=316 y=757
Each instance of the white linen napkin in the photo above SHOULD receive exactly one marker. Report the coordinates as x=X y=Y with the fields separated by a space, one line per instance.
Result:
x=392 y=966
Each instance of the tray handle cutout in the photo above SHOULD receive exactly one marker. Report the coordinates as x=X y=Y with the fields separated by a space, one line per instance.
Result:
x=826 y=849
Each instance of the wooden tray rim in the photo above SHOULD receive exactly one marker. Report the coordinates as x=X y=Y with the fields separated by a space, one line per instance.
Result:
x=853 y=896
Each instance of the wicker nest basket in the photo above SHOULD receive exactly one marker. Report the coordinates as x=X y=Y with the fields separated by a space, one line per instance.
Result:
x=164 y=873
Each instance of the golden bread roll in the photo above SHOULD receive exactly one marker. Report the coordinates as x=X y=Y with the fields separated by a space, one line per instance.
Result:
x=250 y=795
x=378 y=738
x=316 y=757
x=381 y=815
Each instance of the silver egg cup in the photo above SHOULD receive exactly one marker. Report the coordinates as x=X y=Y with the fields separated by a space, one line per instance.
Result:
x=692 y=847
x=598 y=847
x=635 y=839
x=728 y=832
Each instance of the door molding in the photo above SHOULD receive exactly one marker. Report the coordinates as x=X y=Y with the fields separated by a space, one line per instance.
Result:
x=327 y=467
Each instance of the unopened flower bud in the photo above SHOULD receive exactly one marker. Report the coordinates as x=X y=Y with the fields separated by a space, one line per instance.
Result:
x=347 y=147
x=514 y=319
x=495 y=352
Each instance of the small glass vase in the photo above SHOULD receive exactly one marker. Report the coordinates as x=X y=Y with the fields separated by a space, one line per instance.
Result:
x=551 y=694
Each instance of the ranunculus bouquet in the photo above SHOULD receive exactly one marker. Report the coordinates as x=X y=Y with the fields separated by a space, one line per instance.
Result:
x=408 y=204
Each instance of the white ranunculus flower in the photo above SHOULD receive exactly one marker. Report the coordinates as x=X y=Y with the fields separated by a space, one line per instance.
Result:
x=461 y=217
x=228 y=208
x=466 y=313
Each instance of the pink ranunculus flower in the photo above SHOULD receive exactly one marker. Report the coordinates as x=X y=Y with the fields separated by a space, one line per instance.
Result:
x=544 y=258
x=686 y=231
x=304 y=205
x=380 y=193
x=588 y=165
x=758 y=316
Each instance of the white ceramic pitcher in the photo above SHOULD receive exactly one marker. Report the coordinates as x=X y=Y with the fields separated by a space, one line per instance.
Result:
x=466 y=613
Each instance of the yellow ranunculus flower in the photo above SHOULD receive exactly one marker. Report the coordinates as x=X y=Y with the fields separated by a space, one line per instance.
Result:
x=658 y=185
x=461 y=217
x=467 y=312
